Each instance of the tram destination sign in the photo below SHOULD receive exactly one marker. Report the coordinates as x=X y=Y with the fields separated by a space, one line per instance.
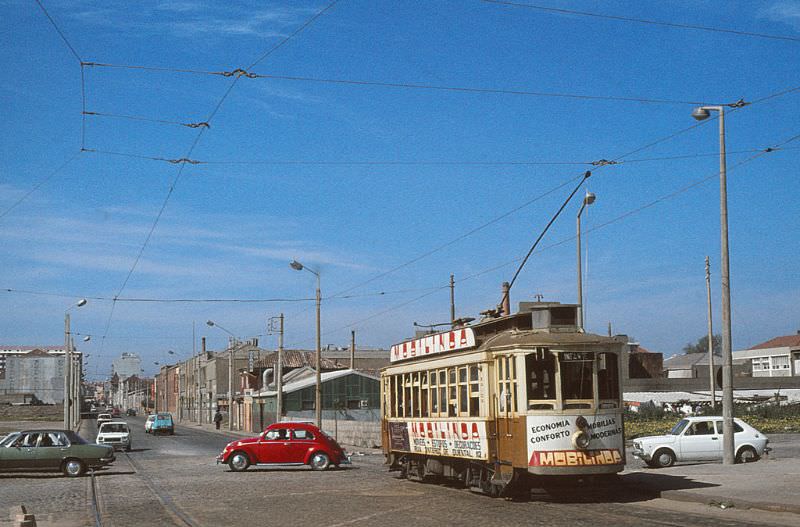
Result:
x=455 y=340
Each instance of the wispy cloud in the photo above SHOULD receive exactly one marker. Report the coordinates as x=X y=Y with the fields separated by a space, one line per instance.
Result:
x=785 y=11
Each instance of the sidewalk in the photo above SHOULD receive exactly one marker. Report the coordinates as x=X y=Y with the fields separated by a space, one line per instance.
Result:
x=769 y=484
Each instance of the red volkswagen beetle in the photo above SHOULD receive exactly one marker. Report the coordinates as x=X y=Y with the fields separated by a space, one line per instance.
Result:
x=285 y=444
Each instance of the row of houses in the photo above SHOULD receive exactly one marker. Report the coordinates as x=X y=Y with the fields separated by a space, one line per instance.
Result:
x=195 y=389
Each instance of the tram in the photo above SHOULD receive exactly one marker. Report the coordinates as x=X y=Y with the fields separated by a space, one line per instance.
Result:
x=511 y=402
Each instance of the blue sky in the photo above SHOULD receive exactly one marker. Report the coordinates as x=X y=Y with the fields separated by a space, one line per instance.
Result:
x=348 y=191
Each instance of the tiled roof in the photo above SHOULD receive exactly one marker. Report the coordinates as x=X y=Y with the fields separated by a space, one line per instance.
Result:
x=787 y=341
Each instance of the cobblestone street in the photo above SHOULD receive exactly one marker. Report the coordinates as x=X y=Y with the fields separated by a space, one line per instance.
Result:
x=174 y=480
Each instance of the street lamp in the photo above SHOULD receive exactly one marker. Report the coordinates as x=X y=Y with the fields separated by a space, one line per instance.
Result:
x=297 y=266
x=700 y=114
x=231 y=356
x=68 y=365
x=588 y=199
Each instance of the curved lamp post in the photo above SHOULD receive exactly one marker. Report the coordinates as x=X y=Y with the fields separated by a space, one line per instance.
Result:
x=297 y=266
x=700 y=114
x=588 y=199
x=231 y=357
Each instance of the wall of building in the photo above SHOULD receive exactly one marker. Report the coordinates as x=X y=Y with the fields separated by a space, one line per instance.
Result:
x=41 y=375
x=701 y=384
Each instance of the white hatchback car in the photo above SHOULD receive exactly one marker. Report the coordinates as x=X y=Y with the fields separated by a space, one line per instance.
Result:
x=116 y=434
x=700 y=439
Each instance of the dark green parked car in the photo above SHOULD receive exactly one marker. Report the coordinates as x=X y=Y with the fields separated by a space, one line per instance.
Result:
x=58 y=450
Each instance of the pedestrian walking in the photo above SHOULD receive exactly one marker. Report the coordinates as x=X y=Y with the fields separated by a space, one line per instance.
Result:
x=217 y=418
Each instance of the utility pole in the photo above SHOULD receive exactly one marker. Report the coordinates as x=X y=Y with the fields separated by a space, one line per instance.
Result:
x=710 y=340
x=67 y=374
x=279 y=372
x=231 y=356
x=452 y=302
x=353 y=347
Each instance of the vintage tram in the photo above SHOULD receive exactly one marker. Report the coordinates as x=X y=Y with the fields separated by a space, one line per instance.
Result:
x=514 y=401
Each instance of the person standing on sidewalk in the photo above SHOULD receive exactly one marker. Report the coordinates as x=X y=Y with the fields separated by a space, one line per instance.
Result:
x=217 y=418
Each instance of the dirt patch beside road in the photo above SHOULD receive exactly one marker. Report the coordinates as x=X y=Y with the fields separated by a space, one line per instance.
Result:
x=48 y=412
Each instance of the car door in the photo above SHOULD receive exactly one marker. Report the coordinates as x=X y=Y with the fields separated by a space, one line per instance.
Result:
x=700 y=442
x=51 y=450
x=22 y=453
x=274 y=446
x=299 y=443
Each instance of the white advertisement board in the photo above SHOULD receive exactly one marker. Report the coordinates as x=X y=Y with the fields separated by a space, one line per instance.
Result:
x=449 y=438
x=550 y=440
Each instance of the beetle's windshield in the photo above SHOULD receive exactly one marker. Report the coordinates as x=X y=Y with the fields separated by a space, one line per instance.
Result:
x=678 y=428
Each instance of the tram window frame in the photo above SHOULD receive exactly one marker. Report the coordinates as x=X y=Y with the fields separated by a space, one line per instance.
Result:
x=608 y=385
x=423 y=390
x=434 y=391
x=443 y=402
x=415 y=406
x=507 y=384
x=407 y=387
x=575 y=381
x=541 y=365
x=474 y=390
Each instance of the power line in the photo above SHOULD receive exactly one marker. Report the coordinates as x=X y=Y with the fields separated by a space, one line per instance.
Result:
x=181 y=170
x=643 y=21
x=147 y=119
x=39 y=184
x=60 y=33
x=403 y=85
x=617 y=219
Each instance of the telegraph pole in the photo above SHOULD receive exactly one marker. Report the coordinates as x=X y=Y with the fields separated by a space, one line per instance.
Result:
x=279 y=371
x=67 y=375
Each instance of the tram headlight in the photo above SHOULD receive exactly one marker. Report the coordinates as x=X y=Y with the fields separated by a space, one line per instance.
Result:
x=581 y=437
x=580 y=440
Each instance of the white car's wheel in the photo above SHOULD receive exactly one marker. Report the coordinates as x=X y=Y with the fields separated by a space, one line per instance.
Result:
x=746 y=454
x=664 y=458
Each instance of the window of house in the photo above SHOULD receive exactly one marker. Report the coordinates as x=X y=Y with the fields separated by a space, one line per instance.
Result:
x=781 y=362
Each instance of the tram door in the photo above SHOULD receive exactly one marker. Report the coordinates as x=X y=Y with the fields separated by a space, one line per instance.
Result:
x=507 y=420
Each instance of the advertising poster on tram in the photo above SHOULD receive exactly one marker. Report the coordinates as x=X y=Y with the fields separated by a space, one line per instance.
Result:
x=449 y=438
x=550 y=440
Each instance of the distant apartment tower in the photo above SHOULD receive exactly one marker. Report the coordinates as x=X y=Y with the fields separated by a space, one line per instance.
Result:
x=127 y=365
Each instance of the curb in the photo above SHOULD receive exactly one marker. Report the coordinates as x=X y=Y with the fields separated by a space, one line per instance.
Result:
x=726 y=502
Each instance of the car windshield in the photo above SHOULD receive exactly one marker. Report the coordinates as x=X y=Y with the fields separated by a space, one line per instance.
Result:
x=678 y=428
x=164 y=416
x=113 y=428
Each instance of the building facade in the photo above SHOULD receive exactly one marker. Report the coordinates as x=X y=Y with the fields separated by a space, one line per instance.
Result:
x=778 y=357
x=126 y=365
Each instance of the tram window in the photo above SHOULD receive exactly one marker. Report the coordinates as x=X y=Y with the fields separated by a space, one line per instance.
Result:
x=540 y=370
x=607 y=376
x=576 y=376
x=434 y=395
x=406 y=402
x=474 y=392
x=506 y=373
x=415 y=395
x=452 y=407
x=423 y=394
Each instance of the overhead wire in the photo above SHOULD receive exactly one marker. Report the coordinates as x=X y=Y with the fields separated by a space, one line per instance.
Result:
x=182 y=166
x=563 y=11
x=600 y=226
x=239 y=73
x=38 y=185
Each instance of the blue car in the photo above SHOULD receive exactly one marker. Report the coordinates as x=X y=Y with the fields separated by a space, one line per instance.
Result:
x=159 y=424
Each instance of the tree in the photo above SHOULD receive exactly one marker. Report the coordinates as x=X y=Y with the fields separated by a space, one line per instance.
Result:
x=701 y=346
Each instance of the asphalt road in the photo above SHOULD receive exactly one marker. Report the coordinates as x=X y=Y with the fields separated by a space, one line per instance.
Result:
x=174 y=480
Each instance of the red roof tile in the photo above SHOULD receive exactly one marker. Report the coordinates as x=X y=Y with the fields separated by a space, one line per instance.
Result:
x=787 y=341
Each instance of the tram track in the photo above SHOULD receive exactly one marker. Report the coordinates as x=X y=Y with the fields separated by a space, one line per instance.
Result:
x=172 y=511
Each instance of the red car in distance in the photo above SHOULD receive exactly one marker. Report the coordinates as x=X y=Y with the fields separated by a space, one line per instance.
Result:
x=290 y=443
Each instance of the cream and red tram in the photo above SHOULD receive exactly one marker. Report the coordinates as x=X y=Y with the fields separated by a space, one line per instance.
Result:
x=505 y=403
